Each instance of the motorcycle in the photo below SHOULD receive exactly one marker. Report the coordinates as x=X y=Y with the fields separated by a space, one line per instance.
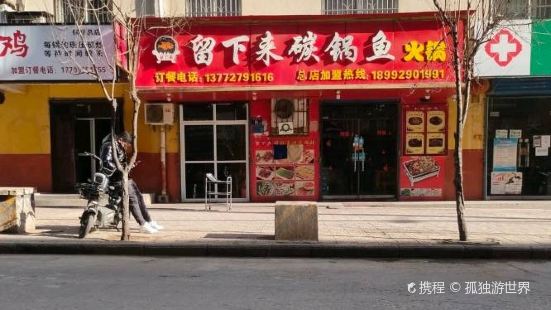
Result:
x=103 y=208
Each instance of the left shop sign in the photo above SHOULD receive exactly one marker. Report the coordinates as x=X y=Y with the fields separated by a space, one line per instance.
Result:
x=49 y=53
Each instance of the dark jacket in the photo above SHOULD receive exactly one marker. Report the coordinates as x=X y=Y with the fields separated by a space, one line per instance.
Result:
x=108 y=159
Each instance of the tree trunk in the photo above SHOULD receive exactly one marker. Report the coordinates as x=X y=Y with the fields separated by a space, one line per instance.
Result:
x=125 y=207
x=458 y=182
x=458 y=153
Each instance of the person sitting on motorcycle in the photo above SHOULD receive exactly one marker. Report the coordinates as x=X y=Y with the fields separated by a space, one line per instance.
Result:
x=136 y=201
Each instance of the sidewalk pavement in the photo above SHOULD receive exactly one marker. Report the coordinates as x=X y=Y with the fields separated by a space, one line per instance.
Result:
x=497 y=229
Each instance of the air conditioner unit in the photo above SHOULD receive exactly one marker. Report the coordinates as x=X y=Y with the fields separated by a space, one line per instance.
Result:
x=289 y=116
x=159 y=113
x=282 y=116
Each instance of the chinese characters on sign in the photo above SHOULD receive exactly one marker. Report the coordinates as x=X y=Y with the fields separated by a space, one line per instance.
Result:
x=304 y=49
x=14 y=44
x=352 y=53
x=44 y=52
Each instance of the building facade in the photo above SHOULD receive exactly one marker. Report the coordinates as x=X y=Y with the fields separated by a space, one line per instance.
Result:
x=347 y=125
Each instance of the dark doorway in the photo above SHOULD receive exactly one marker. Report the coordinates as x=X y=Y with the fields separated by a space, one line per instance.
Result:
x=526 y=123
x=76 y=127
x=359 y=150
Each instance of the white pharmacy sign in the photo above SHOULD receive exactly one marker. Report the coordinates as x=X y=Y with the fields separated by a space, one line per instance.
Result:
x=56 y=53
x=507 y=52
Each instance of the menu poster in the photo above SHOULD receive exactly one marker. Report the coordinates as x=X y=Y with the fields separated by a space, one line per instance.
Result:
x=505 y=155
x=435 y=143
x=415 y=143
x=436 y=121
x=285 y=170
x=282 y=167
x=425 y=129
x=506 y=183
x=422 y=177
x=415 y=121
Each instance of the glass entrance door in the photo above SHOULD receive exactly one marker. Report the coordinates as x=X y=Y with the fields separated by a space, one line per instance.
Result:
x=359 y=150
x=89 y=132
x=214 y=140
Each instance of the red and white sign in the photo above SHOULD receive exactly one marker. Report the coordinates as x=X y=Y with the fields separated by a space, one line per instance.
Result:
x=300 y=54
x=503 y=47
x=507 y=52
x=38 y=52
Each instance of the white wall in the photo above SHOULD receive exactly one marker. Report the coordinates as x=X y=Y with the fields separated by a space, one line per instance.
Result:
x=428 y=5
x=281 y=7
x=171 y=8
x=38 y=5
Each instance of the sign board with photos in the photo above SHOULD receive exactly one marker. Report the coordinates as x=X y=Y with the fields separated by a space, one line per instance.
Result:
x=283 y=167
x=425 y=129
x=422 y=177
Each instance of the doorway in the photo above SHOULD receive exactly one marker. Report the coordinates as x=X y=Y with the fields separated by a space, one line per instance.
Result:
x=359 y=150
x=214 y=139
x=522 y=169
x=76 y=127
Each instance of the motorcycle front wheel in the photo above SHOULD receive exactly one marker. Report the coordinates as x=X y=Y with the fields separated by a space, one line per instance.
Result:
x=86 y=223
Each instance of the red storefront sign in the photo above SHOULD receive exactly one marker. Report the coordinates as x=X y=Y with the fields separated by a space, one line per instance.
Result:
x=295 y=53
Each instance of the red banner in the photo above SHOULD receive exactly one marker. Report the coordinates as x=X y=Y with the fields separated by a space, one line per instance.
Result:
x=296 y=54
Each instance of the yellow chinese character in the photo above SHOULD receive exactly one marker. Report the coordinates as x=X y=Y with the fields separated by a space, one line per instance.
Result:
x=159 y=77
x=314 y=75
x=415 y=51
x=360 y=74
x=301 y=75
x=436 y=51
x=348 y=74
x=325 y=75
x=193 y=77
x=336 y=75
x=181 y=77
x=170 y=77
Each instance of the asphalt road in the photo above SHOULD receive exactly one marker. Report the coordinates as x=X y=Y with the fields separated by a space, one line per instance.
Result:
x=110 y=282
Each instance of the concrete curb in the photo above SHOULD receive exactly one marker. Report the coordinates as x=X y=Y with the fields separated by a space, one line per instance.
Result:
x=278 y=249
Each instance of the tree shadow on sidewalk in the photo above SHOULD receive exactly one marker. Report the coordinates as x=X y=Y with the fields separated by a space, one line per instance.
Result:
x=239 y=236
x=57 y=231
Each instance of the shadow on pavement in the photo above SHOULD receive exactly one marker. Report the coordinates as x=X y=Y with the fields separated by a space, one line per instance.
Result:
x=240 y=236
x=57 y=231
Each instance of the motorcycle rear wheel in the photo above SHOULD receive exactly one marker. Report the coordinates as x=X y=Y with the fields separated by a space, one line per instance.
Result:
x=86 y=224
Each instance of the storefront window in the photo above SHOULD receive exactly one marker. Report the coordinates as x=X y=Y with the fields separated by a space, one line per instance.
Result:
x=198 y=112
x=199 y=142
x=231 y=112
x=195 y=179
x=518 y=141
x=230 y=142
